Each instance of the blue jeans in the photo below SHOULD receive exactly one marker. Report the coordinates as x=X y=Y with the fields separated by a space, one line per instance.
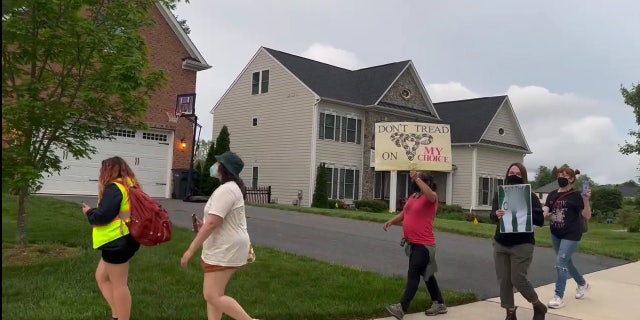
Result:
x=564 y=265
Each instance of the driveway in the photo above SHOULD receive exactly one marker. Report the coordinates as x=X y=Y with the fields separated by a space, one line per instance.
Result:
x=465 y=263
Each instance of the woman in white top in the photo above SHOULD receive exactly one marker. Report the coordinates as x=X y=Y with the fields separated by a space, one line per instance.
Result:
x=223 y=237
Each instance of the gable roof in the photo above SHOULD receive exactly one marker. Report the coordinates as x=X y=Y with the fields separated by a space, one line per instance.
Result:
x=469 y=118
x=363 y=87
x=547 y=188
x=195 y=61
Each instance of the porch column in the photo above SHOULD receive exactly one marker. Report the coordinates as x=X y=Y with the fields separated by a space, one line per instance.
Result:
x=393 y=190
x=449 y=196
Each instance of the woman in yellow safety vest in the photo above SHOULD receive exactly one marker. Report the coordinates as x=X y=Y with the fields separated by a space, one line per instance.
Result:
x=111 y=235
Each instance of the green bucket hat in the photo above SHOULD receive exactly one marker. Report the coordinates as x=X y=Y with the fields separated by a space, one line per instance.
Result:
x=231 y=162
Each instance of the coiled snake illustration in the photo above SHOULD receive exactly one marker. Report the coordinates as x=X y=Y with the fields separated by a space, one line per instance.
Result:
x=410 y=142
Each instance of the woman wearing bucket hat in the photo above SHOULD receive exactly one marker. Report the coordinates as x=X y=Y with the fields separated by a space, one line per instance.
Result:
x=227 y=249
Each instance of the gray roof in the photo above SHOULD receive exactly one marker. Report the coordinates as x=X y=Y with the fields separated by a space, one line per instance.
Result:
x=363 y=86
x=469 y=118
x=547 y=188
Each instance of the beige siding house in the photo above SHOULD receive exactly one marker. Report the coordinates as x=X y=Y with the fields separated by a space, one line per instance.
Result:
x=287 y=114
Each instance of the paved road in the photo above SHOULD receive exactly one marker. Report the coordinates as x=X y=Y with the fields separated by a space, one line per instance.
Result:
x=465 y=263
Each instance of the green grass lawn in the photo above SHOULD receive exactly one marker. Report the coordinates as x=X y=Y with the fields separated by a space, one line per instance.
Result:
x=54 y=277
x=601 y=239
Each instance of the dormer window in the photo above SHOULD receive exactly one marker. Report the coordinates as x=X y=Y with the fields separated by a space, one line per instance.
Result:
x=260 y=82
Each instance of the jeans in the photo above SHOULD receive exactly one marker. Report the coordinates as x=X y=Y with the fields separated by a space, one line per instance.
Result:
x=512 y=264
x=418 y=261
x=564 y=265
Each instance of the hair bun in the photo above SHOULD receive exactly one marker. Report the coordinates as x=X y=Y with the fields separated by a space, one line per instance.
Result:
x=577 y=172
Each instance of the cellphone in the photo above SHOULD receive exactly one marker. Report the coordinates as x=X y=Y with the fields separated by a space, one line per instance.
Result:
x=194 y=222
x=585 y=187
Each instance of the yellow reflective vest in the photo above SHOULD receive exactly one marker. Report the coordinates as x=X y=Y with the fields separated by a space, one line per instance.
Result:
x=117 y=227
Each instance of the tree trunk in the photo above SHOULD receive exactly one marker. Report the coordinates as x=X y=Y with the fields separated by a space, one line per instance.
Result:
x=21 y=237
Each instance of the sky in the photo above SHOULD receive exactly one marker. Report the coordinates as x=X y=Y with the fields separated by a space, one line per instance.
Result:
x=560 y=62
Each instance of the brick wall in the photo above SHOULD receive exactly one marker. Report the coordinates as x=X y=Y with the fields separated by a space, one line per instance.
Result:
x=166 y=52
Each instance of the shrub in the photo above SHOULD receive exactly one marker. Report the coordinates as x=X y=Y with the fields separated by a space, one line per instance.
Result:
x=371 y=205
x=629 y=219
x=320 y=198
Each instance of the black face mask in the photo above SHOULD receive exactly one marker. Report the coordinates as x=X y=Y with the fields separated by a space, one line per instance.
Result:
x=563 y=182
x=513 y=179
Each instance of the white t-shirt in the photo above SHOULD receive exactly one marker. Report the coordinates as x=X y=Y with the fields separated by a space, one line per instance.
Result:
x=228 y=245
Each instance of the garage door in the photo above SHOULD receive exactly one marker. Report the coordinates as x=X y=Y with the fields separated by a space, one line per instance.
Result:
x=148 y=153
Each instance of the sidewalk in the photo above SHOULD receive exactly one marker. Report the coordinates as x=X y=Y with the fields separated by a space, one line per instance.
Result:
x=614 y=295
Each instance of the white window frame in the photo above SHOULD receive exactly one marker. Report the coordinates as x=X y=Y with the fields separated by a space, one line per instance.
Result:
x=494 y=182
x=262 y=84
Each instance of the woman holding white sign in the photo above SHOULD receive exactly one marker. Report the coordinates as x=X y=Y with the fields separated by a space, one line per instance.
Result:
x=417 y=218
x=513 y=247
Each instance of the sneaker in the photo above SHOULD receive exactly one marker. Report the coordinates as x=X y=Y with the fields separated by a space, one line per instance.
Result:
x=436 y=309
x=396 y=310
x=581 y=291
x=556 y=303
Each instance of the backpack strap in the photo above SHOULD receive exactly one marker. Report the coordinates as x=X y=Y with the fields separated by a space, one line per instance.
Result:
x=553 y=205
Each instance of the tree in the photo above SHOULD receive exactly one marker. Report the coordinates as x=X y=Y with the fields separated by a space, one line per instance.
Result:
x=320 y=198
x=606 y=199
x=632 y=99
x=543 y=177
x=223 y=143
x=71 y=71
x=207 y=182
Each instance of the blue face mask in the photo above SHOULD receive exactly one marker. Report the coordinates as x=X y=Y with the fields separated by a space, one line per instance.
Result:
x=213 y=171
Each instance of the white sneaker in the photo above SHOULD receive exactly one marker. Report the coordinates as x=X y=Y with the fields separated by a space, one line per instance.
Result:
x=556 y=303
x=581 y=291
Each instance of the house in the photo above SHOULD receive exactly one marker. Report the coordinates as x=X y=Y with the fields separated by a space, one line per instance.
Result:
x=287 y=114
x=155 y=153
x=544 y=191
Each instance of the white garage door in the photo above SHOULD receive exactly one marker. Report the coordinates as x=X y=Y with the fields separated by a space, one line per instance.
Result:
x=147 y=152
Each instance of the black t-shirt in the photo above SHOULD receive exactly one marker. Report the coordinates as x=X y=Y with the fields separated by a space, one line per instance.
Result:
x=566 y=214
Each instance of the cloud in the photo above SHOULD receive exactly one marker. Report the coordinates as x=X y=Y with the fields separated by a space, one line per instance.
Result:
x=564 y=128
x=333 y=56
x=449 y=91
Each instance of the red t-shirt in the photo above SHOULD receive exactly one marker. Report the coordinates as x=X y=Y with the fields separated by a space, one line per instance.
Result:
x=418 y=220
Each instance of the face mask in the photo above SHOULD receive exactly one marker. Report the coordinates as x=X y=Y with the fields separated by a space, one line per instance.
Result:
x=563 y=182
x=213 y=171
x=513 y=179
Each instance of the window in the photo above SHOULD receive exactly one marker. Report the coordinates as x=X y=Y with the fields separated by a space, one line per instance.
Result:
x=255 y=122
x=254 y=178
x=264 y=83
x=327 y=129
x=260 y=82
x=123 y=133
x=486 y=189
x=340 y=128
x=343 y=183
x=154 y=136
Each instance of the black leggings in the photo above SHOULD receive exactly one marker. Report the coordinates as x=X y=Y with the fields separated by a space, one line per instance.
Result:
x=418 y=261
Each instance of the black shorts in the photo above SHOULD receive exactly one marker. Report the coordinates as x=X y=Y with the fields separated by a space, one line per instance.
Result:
x=123 y=253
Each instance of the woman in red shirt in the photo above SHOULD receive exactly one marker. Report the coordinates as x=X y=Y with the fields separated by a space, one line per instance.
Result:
x=417 y=218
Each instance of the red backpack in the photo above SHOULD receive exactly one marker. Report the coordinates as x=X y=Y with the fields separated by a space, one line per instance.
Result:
x=150 y=224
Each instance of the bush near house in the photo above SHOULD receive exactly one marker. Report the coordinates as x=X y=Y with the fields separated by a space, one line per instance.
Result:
x=371 y=205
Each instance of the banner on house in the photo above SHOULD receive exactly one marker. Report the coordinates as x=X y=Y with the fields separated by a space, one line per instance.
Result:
x=515 y=200
x=412 y=146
